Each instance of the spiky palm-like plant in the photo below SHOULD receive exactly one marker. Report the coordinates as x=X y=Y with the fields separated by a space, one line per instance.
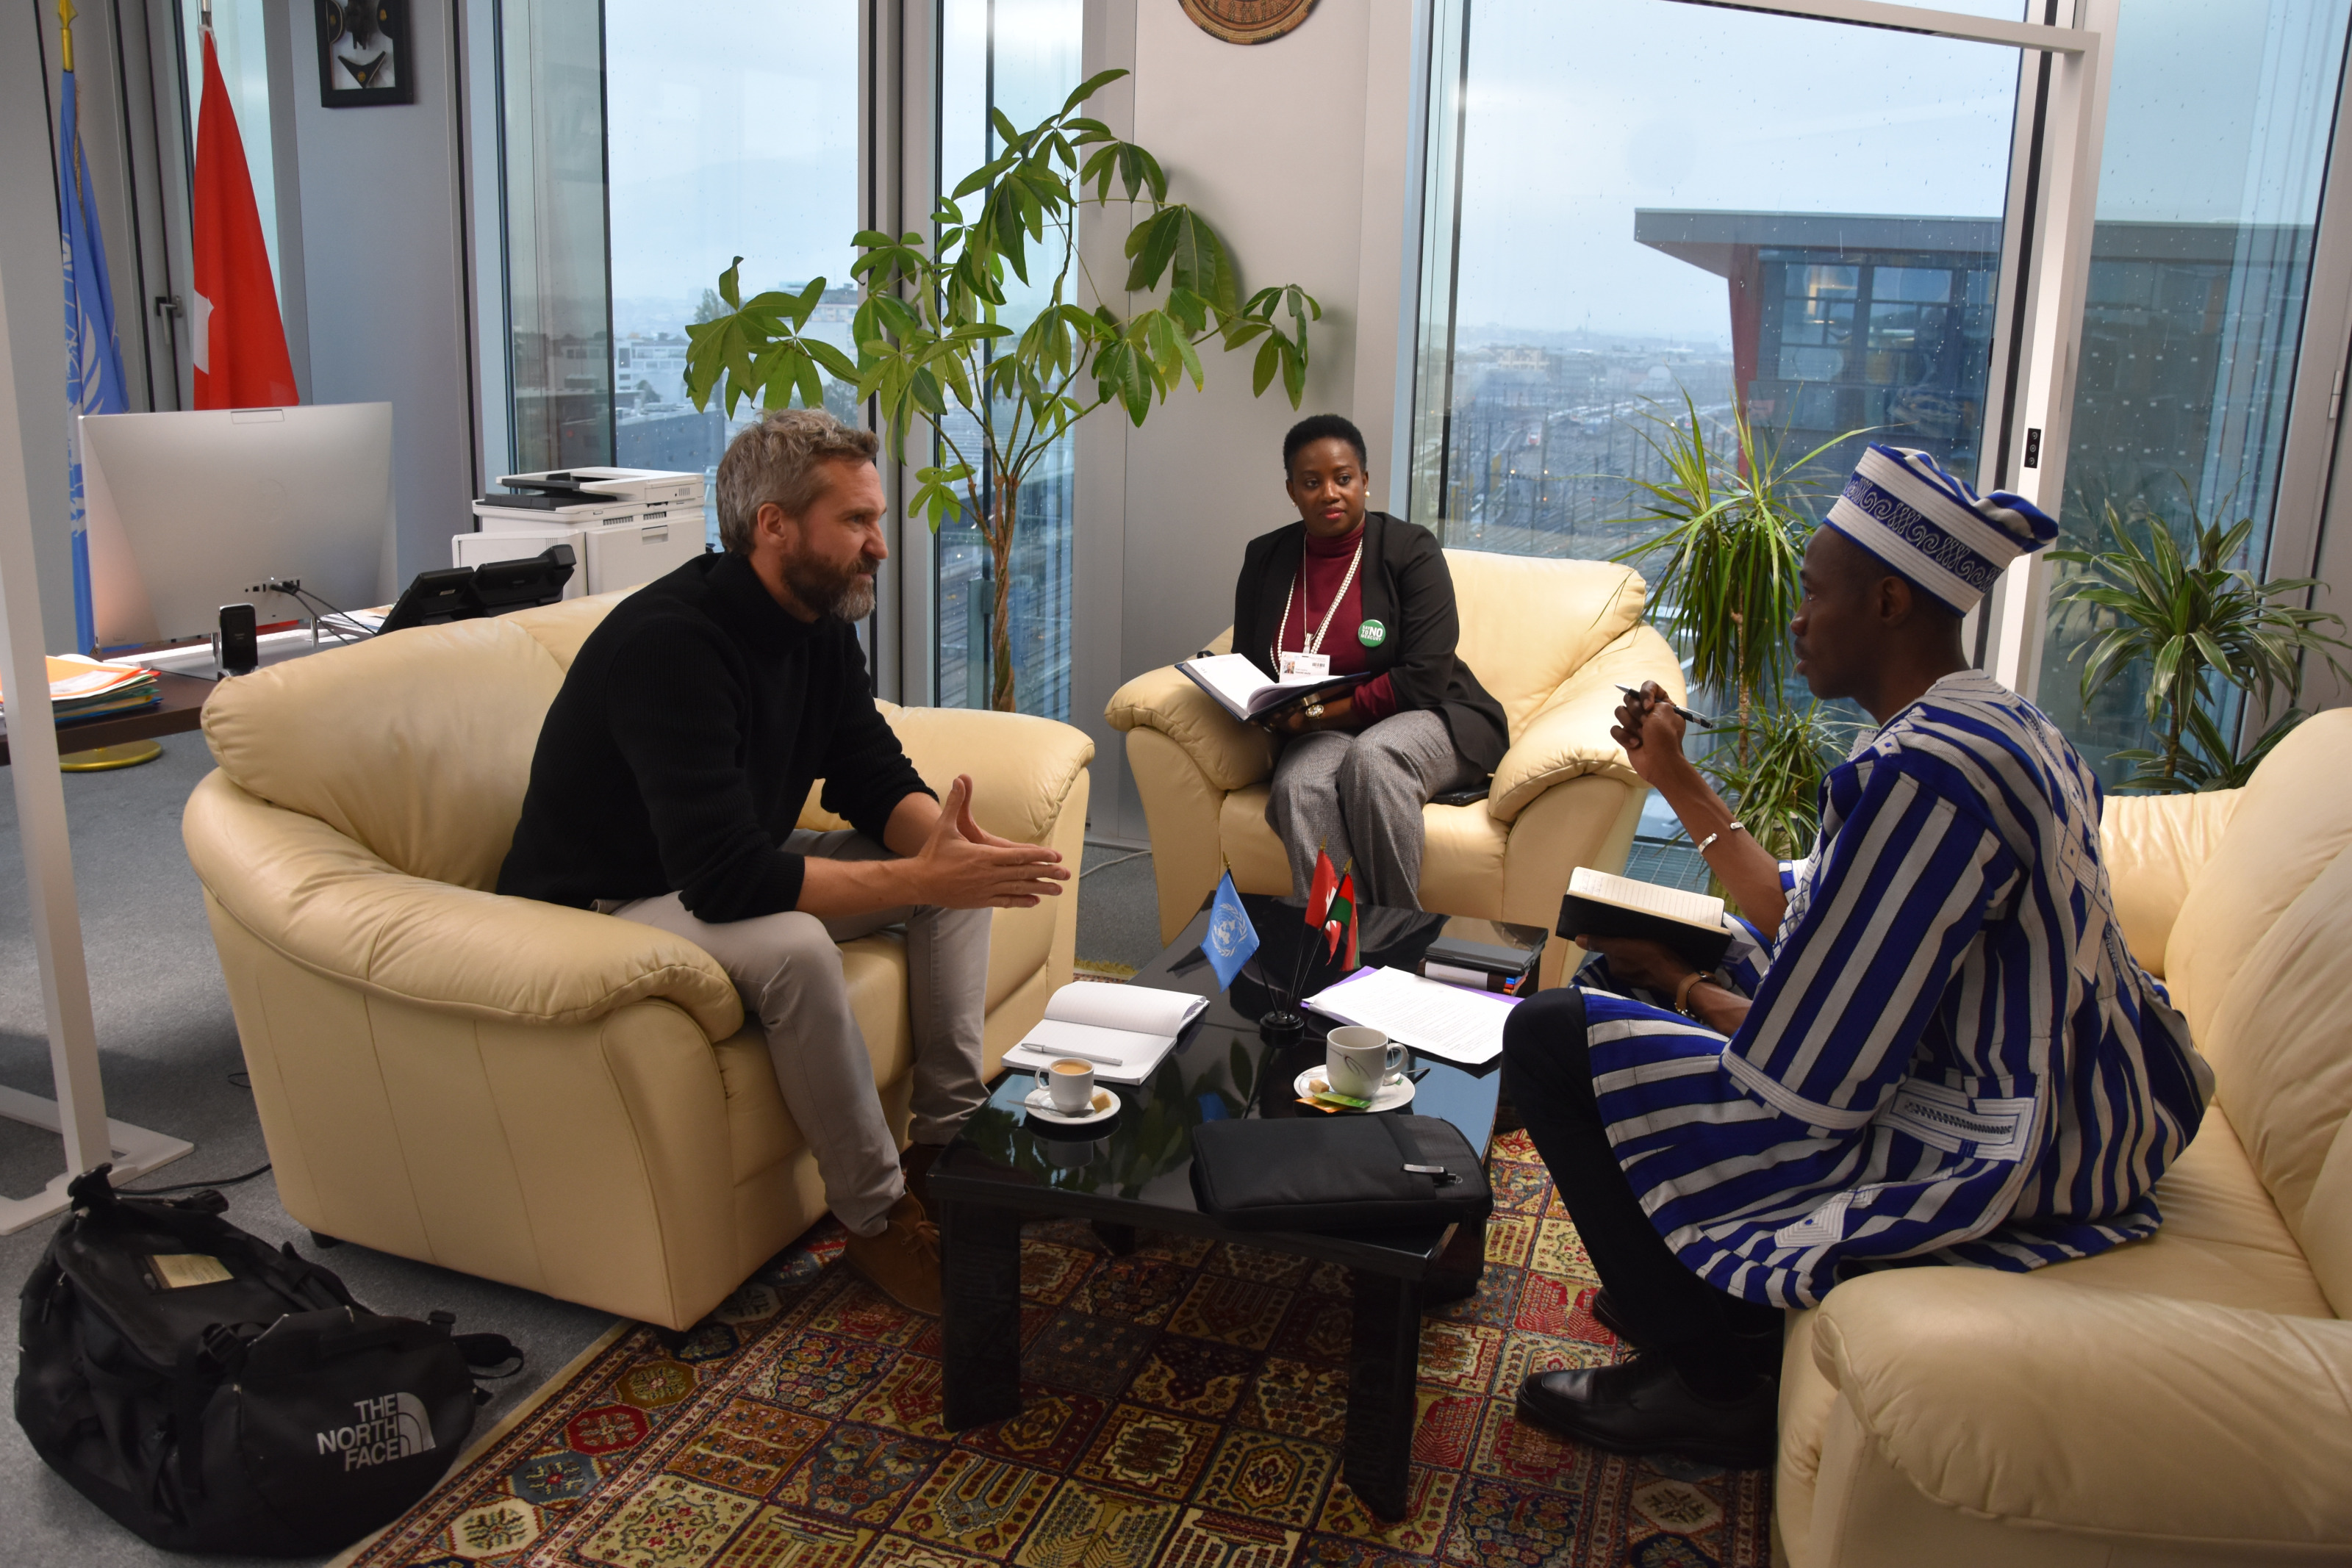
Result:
x=2201 y=626
x=1736 y=522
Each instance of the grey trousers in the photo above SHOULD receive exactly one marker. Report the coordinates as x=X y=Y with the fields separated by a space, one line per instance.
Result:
x=788 y=967
x=1360 y=795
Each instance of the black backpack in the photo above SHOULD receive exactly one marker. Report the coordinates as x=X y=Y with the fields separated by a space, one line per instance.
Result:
x=216 y=1395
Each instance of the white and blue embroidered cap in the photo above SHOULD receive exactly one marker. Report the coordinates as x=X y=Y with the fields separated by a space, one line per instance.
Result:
x=1933 y=531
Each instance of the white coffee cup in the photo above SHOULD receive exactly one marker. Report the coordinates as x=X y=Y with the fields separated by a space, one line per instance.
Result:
x=1358 y=1060
x=1071 y=1084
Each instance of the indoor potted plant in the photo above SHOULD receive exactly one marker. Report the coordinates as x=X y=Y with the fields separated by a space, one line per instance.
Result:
x=929 y=336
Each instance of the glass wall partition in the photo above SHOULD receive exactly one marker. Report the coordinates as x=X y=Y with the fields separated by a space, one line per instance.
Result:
x=2218 y=121
x=732 y=129
x=558 y=284
x=1019 y=57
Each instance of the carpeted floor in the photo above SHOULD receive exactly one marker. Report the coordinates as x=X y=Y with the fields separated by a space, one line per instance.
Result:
x=1184 y=1411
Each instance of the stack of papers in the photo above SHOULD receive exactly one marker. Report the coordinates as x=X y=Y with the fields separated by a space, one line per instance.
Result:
x=81 y=687
x=1123 y=1032
x=1430 y=1016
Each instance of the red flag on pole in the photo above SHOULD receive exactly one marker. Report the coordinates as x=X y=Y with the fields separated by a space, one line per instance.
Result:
x=239 y=339
x=1319 y=889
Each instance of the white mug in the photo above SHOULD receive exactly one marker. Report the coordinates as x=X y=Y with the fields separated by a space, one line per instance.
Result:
x=1358 y=1060
x=1071 y=1084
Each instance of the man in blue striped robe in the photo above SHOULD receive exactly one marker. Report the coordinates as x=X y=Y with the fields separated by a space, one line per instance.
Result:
x=1931 y=1045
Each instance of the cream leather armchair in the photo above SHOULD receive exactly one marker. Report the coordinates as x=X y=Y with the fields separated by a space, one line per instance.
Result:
x=1551 y=639
x=2186 y=1399
x=544 y=1097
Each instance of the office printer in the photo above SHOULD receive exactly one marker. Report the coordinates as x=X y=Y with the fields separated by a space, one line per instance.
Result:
x=627 y=526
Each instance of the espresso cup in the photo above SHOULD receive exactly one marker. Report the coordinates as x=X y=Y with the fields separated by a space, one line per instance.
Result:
x=1358 y=1060
x=1071 y=1084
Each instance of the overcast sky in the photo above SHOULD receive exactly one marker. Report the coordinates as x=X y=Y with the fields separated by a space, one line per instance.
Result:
x=733 y=127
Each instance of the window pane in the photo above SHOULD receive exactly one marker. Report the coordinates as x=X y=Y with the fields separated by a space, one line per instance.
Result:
x=1826 y=259
x=1019 y=56
x=718 y=150
x=2219 y=121
x=559 y=309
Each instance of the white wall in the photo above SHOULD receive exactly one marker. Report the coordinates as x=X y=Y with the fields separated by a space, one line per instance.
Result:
x=1297 y=152
x=384 y=276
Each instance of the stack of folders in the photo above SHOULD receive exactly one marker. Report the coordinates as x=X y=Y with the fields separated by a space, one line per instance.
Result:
x=82 y=687
x=1122 y=1031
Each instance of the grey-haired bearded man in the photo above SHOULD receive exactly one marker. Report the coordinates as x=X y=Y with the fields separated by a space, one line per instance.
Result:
x=667 y=788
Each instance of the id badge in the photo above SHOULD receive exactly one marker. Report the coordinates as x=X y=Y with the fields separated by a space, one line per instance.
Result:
x=1316 y=666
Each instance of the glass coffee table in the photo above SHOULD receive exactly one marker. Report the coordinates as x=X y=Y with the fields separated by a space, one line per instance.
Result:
x=1134 y=1172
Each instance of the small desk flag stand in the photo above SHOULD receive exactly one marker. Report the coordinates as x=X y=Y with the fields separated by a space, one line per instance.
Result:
x=79 y=1113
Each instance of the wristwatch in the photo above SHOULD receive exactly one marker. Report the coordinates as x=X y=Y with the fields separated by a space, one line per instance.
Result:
x=1314 y=709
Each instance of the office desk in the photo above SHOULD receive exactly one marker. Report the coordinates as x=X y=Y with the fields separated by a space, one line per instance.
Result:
x=180 y=711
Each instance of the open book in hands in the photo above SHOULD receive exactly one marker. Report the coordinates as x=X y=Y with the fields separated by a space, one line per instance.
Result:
x=1599 y=904
x=1244 y=691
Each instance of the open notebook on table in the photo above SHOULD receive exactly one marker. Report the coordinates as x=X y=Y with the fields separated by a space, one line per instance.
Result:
x=1123 y=1032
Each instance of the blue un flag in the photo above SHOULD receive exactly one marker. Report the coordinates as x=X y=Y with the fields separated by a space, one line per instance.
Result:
x=1231 y=938
x=94 y=381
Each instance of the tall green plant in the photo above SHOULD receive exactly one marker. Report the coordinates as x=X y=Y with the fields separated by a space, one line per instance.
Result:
x=929 y=334
x=1775 y=781
x=1736 y=521
x=2201 y=626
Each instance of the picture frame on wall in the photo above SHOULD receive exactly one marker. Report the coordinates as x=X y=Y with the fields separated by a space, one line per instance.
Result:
x=364 y=57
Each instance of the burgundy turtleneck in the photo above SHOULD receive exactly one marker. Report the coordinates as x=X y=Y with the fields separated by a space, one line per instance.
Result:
x=1320 y=572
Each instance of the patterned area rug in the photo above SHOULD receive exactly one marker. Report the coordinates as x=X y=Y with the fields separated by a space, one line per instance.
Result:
x=1184 y=1410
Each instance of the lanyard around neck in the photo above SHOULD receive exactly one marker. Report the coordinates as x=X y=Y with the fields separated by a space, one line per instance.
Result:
x=1313 y=641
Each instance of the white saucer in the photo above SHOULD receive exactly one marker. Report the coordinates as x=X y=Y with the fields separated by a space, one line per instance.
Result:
x=1041 y=1103
x=1396 y=1092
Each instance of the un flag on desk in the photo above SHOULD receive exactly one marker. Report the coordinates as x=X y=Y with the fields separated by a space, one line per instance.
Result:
x=1231 y=938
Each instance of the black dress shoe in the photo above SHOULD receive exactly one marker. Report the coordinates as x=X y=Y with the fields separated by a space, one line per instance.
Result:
x=1644 y=1406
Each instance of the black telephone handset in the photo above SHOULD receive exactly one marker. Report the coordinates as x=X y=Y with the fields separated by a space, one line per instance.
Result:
x=240 y=641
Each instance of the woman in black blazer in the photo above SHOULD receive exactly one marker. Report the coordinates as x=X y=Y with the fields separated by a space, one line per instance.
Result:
x=1368 y=593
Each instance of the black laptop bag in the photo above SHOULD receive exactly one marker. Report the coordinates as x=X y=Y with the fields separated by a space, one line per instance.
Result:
x=1339 y=1172
x=214 y=1395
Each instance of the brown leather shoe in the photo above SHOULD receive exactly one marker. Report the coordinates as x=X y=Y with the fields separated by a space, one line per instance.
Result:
x=902 y=1259
x=916 y=1166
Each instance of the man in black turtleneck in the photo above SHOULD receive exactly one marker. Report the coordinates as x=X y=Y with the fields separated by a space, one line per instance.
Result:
x=667 y=788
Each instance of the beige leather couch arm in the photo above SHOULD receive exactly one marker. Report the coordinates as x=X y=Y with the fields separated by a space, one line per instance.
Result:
x=2153 y=847
x=335 y=909
x=1229 y=753
x=1570 y=738
x=2034 y=1401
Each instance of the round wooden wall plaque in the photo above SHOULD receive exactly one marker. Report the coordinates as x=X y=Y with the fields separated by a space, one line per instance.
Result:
x=1247 y=21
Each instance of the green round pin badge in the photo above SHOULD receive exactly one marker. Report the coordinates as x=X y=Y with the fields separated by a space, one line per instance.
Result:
x=1371 y=633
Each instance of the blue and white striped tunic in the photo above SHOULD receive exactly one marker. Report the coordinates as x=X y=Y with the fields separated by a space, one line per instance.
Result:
x=1950 y=1057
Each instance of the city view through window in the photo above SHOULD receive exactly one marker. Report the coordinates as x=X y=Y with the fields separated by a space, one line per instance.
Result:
x=1019 y=56
x=1652 y=223
x=718 y=150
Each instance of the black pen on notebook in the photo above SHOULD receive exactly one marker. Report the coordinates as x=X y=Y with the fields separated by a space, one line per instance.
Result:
x=1699 y=719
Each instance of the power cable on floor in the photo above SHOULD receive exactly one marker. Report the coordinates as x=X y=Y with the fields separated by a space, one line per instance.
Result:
x=192 y=1185
x=1106 y=865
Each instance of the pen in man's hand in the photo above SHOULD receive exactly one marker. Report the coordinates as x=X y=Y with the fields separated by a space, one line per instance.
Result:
x=1699 y=719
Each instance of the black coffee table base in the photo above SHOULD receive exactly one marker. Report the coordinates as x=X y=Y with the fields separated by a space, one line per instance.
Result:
x=979 y=1257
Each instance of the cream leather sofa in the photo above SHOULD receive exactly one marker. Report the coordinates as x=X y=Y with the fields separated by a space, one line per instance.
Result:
x=2187 y=1400
x=1551 y=639
x=544 y=1097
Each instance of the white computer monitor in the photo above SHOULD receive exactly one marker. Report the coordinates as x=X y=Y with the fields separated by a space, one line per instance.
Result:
x=188 y=512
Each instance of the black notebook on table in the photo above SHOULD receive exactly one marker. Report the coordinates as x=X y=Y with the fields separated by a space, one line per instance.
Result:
x=1599 y=904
